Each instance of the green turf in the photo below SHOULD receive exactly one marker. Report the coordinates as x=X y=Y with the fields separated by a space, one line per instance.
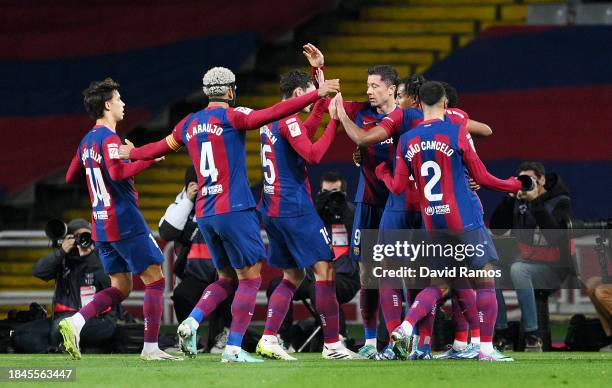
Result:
x=529 y=370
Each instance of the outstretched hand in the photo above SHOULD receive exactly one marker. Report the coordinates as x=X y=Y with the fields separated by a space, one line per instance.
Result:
x=319 y=76
x=328 y=87
x=333 y=105
x=314 y=55
x=125 y=149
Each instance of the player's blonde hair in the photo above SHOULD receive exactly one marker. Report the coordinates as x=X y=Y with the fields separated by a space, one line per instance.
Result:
x=217 y=81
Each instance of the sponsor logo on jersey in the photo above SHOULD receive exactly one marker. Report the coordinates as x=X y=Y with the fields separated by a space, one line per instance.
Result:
x=100 y=215
x=438 y=209
x=268 y=189
x=212 y=190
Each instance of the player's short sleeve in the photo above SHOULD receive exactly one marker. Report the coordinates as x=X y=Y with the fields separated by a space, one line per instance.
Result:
x=392 y=123
x=457 y=116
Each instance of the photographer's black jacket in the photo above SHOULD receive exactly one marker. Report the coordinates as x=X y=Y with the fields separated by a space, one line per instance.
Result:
x=71 y=273
x=538 y=224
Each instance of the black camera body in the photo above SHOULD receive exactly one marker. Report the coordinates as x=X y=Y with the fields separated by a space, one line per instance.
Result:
x=56 y=230
x=330 y=206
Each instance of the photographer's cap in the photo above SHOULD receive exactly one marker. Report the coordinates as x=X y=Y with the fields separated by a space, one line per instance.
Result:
x=77 y=224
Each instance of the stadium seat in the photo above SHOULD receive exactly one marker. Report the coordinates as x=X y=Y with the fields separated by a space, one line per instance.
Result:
x=547 y=14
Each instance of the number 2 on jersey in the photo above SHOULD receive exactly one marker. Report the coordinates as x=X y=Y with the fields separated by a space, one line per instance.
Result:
x=207 y=162
x=437 y=174
x=98 y=189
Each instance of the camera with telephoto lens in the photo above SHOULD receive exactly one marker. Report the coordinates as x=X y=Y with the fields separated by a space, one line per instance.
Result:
x=331 y=205
x=56 y=230
x=528 y=183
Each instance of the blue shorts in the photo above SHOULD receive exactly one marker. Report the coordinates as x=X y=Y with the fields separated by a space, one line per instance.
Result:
x=233 y=239
x=366 y=217
x=398 y=220
x=483 y=237
x=482 y=249
x=297 y=242
x=134 y=254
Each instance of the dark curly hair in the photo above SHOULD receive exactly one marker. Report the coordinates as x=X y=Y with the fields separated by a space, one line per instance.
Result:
x=96 y=95
x=292 y=80
x=412 y=83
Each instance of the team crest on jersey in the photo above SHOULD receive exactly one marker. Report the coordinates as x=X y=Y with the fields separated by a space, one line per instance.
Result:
x=294 y=127
x=356 y=251
x=113 y=151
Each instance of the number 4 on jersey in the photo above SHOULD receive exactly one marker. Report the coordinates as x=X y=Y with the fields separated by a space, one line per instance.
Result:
x=207 y=162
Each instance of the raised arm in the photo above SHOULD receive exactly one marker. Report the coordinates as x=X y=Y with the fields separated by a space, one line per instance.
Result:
x=358 y=135
x=245 y=118
x=74 y=170
x=316 y=115
x=477 y=169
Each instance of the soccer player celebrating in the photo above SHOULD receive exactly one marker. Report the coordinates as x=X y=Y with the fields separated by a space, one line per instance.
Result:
x=371 y=193
x=297 y=237
x=122 y=236
x=225 y=208
x=436 y=153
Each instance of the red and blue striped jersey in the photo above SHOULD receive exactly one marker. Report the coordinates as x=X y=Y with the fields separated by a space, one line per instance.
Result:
x=115 y=214
x=286 y=150
x=370 y=190
x=408 y=119
x=286 y=188
x=218 y=152
x=437 y=153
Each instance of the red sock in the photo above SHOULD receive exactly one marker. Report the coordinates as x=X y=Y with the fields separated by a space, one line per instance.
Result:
x=212 y=296
x=101 y=302
x=243 y=308
x=391 y=305
x=327 y=307
x=368 y=306
x=422 y=305
x=278 y=306
x=487 y=310
x=152 y=309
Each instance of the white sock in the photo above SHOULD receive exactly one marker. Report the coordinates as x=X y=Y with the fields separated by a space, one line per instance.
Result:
x=78 y=322
x=407 y=327
x=371 y=341
x=271 y=338
x=459 y=345
x=475 y=340
x=150 y=347
x=333 y=345
x=193 y=323
x=486 y=348
x=232 y=349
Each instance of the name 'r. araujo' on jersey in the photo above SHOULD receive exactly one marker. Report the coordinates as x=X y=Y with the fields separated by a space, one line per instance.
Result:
x=286 y=188
x=218 y=152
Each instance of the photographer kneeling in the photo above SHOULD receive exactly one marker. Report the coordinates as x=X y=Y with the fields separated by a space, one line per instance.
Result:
x=78 y=274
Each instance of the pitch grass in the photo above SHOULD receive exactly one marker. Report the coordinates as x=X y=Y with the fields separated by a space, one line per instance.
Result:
x=529 y=370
